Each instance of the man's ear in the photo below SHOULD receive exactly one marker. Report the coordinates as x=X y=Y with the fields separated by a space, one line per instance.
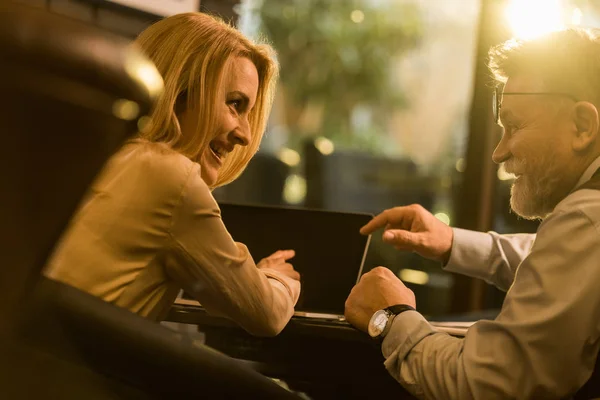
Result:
x=587 y=124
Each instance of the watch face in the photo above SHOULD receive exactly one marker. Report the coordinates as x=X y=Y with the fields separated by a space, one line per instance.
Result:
x=377 y=323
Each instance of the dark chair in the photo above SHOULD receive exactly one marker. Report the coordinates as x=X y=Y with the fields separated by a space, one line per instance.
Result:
x=591 y=390
x=70 y=95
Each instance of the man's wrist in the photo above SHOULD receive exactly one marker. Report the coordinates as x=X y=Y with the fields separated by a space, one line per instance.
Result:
x=395 y=310
x=446 y=256
x=381 y=321
x=407 y=329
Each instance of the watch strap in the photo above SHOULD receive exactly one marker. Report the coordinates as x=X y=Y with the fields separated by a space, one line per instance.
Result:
x=399 y=308
x=393 y=312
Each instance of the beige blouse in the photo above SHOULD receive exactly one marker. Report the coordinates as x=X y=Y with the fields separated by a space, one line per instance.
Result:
x=149 y=227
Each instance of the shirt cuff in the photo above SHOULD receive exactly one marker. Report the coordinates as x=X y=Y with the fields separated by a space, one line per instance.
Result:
x=408 y=329
x=290 y=286
x=470 y=250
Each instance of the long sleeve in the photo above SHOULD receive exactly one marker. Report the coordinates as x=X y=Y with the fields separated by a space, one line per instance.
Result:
x=545 y=340
x=488 y=256
x=221 y=273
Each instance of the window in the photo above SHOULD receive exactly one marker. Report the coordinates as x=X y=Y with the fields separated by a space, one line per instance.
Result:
x=371 y=113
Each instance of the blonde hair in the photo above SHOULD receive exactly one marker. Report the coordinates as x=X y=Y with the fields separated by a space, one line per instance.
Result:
x=191 y=52
x=566 y=61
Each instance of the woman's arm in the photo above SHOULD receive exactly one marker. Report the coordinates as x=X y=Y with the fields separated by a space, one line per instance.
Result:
x=221 y=273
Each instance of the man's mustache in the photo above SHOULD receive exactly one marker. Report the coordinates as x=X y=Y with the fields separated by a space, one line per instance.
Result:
x=514 y=167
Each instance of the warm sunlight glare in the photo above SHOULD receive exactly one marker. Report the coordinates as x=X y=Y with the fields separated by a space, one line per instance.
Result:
x=413 y=276
x=576 y=17
x=533 y=18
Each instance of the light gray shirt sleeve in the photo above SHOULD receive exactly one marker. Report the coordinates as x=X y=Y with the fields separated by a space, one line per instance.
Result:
x=545 y=340
x=488 y=256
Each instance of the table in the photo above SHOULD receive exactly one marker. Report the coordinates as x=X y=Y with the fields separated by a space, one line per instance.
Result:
x=324 y=359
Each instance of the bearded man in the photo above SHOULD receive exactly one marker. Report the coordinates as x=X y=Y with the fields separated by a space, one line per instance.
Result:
x=545 y=340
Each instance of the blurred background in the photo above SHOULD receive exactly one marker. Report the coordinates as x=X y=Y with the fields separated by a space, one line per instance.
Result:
x=381 y=103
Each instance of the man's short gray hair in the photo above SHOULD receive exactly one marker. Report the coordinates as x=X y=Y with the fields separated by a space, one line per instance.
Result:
x=566 y=61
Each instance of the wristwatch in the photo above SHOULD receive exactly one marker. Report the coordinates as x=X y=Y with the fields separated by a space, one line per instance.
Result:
x=381 y=321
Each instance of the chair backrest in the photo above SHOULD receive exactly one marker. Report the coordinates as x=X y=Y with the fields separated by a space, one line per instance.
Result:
x=69 y=97
x=109 y=352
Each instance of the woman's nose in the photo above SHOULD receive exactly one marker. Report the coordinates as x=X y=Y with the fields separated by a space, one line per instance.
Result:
x=241 y=135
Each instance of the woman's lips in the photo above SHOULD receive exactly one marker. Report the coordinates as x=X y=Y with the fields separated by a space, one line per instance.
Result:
x=216 y=156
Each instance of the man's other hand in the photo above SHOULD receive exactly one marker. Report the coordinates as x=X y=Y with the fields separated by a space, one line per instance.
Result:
x=412 y=228
x=377 y=289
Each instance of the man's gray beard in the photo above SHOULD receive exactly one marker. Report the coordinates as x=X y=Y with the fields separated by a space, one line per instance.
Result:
x=534 y=195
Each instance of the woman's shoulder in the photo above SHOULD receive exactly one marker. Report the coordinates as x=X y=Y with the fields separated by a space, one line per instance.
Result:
x=148 y=166
x=159 y=172
x=157 y=159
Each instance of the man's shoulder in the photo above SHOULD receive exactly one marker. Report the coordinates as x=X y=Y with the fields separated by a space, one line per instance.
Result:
x=585 y=201
x=582 y=205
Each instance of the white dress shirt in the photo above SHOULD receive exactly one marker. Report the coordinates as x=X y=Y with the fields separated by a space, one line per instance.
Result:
x=544 y=342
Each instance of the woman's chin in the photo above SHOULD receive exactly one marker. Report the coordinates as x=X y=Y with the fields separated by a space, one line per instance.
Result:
x=209 y=176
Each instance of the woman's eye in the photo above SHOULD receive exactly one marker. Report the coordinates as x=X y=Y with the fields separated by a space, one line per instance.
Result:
x=236 y=104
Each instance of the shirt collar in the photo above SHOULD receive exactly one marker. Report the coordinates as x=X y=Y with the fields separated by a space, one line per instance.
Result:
x=587 y=175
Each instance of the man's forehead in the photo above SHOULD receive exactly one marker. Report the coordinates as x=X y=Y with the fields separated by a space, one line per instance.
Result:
x=518 y=104
x=523 y=84
x=516 y=107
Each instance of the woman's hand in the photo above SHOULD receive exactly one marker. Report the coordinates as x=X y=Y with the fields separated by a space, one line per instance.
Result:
x=278 y=262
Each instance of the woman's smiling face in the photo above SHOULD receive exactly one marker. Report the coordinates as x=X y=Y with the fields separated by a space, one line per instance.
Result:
x=237 y=96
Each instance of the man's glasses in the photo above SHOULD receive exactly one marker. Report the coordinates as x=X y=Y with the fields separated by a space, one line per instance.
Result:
x=497 y=99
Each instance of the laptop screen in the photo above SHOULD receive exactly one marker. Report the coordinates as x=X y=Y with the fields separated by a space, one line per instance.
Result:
x=330 y=251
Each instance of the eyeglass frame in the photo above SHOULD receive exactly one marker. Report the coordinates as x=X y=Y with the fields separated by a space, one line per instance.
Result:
x=497 y=104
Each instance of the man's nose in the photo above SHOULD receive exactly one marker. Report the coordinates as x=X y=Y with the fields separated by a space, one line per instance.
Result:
x=501 y=152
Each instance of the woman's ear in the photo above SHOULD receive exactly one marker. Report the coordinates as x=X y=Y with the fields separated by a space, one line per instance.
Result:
x=586 y=122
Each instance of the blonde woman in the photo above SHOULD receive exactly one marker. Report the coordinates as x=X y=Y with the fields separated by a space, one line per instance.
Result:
x=150 y=226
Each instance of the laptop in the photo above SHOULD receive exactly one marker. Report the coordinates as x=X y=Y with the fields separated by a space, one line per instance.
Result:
x=330 y=251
